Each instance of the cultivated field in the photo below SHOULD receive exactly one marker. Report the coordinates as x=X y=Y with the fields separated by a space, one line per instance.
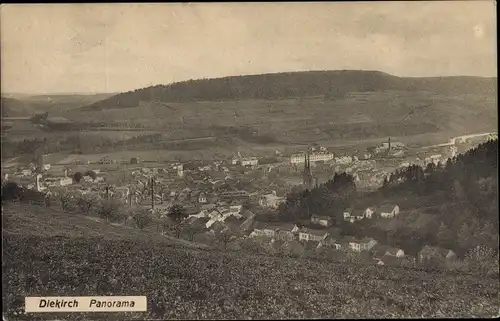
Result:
x=361 y=119
x=47 y=253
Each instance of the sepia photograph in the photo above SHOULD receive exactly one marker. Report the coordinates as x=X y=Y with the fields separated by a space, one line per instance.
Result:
x=239 y=161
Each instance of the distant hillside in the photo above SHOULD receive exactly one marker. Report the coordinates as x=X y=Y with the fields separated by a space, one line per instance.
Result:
x=15 y=108
x=329 y=84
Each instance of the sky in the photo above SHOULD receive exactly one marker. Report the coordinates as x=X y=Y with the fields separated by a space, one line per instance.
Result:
x=89 y=48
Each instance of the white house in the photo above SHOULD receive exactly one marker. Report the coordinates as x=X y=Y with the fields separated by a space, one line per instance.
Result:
x=252 y=161
x=355 y=245
x=202 y=198
x=366 y=244
x=368 y=213
x=389 y=211
x=312 y=235
x=347 y=214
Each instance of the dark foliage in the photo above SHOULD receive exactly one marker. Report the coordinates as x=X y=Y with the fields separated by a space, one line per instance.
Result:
x=77 y=177
x=467 y=185
x=327 y=199
x=329 y=84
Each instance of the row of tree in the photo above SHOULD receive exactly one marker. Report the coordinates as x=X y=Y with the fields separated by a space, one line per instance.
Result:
x=111 y=210
x=329 y=198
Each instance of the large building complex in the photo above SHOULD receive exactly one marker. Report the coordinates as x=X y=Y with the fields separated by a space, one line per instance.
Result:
x=313 y=157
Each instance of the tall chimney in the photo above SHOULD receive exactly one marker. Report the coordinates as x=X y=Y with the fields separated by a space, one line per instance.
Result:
x=389 y=145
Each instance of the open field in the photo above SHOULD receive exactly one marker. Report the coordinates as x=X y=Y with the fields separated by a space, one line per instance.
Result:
x=47 y=253
x=359 y=120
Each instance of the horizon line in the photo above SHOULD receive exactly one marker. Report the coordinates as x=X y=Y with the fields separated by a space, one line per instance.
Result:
x=222 y=77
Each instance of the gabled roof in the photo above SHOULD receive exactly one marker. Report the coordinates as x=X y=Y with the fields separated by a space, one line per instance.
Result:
x=392 y=250
x=389 y=260
x=386 y=208
x=366 y=239
x=435 y=250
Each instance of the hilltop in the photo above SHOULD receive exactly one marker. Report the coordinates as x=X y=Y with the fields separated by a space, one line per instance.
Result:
x=329 y=84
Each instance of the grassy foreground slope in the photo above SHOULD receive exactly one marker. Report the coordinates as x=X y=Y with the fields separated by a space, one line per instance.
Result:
x=47 y=253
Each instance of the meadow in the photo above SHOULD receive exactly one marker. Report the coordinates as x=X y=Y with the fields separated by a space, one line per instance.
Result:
x=50 y=253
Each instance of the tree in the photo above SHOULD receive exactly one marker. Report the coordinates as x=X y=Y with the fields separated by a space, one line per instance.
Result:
x=86 y=202
x=92 y=174
x=66 y=200
x=176 y=212
x=11 y=191
x=109 y=209
x=77 y=177
x=142 y=219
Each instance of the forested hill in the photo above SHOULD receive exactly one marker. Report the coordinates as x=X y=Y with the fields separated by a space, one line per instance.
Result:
x=330 y=84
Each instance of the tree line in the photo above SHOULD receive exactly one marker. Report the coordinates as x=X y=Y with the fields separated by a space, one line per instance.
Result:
x=466 y=187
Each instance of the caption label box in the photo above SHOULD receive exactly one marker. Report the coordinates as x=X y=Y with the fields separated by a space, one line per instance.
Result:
x=86 y=304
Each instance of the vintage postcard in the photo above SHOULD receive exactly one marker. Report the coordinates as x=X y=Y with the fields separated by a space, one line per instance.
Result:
x=212 y=161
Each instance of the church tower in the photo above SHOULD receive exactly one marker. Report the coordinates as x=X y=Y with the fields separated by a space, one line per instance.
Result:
x=307 y=177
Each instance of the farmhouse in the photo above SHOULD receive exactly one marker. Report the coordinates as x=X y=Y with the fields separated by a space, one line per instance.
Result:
x=306 y=234
x=368 y=213
x=389 y=211
x=280 y=231
x=365 y=244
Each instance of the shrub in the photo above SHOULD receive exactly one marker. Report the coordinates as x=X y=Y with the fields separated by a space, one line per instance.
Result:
x=92 y=174
x=142 y=219
x=87 y=202
x=77 y=177
x=109 y=209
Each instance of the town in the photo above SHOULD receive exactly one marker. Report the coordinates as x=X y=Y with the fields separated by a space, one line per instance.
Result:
x=237 y=196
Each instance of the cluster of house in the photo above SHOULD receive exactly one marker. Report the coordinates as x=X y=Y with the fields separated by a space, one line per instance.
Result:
x=323 y=239
x=384 y=211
